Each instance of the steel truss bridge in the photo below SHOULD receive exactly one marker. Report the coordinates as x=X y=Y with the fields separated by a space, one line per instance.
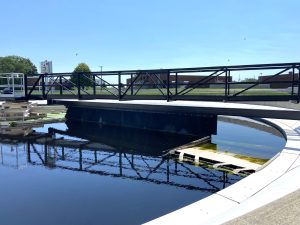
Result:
x=221 y=83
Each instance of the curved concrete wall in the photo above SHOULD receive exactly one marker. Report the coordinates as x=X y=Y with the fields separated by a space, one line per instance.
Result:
x=277 y=178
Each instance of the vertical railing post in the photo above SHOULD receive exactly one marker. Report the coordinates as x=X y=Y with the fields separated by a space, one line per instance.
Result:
x=131 y=83
x=43 y=86
x=293 y=81
x=60 y=85
x=168 y=85
x=176 y=83
x=25 y=86
x=119 y=85
x=94 y=85
x=226 y=83
x=78 y=86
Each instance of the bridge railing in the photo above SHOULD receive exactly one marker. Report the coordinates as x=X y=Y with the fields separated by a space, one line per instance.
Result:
x=225 y=83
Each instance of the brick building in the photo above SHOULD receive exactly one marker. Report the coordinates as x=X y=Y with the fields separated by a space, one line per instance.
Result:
x=283 y=77
x=151 y=80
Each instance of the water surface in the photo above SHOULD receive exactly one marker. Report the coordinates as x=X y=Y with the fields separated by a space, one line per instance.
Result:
x=109 y=175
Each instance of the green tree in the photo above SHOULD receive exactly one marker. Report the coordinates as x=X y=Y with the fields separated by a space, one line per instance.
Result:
x=82 y=71
x=17 y=64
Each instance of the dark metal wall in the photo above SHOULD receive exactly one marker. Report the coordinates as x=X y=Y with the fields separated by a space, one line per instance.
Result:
x=194 y=124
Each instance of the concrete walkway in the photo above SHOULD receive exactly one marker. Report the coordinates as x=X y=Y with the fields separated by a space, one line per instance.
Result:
x=283 y=211
x=285 y=104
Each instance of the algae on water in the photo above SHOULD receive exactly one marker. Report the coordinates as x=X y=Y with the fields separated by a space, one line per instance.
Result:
x=208 y=146
x=259 y=161
x=213 y=148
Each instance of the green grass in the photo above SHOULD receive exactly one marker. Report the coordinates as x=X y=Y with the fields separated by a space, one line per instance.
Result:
x=197 y=91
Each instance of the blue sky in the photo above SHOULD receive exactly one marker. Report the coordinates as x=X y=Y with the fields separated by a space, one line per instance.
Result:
x=145 y=34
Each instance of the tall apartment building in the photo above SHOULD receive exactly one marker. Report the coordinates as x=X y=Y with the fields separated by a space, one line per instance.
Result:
x=46 y=66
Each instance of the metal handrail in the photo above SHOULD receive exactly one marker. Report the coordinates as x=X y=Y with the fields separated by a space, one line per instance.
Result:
x=137 y=81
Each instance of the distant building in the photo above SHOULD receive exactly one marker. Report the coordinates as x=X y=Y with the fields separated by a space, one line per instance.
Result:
x=286 y=80
x=46 y=66
x=151 y=80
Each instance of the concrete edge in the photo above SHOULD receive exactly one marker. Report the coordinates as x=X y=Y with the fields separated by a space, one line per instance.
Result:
x=274 y=180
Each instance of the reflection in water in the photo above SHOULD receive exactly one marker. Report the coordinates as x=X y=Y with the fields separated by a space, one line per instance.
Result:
x=125 y=165
x=114 y=157
x=96 y=173
x=138 y=187
x=13 y=155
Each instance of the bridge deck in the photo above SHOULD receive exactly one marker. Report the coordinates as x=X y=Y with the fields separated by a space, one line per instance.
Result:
x=217 y=108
